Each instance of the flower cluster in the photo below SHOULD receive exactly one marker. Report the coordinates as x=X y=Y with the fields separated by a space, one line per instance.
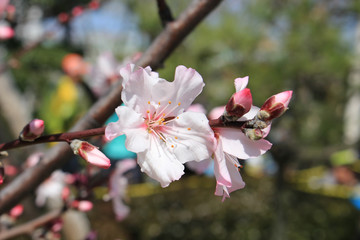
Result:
x=165 y=136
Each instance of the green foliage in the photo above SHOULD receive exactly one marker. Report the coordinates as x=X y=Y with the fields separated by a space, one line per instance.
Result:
x=256 y=212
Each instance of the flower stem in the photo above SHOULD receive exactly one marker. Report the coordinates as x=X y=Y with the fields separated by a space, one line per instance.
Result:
x=221 y=123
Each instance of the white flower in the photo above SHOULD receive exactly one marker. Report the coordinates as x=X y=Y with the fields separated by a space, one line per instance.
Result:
x=155 y=124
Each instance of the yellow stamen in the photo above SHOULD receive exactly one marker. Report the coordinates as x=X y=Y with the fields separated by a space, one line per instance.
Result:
x=169 y=102
x=189 y=129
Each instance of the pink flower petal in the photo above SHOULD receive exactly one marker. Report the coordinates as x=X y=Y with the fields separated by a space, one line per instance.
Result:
x=192 y=137
x=237 y=144
x=159 y=163
x=216 y=112
x=241 y=83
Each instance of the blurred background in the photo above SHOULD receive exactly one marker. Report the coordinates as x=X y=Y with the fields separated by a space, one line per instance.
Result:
x=63 y=55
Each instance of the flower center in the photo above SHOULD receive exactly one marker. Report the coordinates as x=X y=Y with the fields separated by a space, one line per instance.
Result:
x=157 y=119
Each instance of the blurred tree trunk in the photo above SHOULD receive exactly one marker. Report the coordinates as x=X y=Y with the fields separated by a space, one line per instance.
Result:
x=13 y=106
x=352 y=107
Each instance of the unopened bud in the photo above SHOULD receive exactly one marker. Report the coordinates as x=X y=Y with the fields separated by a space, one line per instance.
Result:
x=16 y=211
x=253 y=133
x=94 y=5
x=275 y=106
x=6 y=32
x=32 y=130
x=90 y=153
x=83 y=205
x=63 y=17
x=239 y=104
x=2 y=172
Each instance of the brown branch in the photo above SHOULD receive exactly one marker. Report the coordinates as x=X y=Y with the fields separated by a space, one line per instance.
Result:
x=175 y=32
x=67 y=137
x=164 y=12
x=61 y=137
x=159 y=50
x=219 y=123
x=29 y=227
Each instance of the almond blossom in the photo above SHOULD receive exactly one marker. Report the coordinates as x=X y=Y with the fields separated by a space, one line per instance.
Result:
x=118 y=184
x=232 y=144
x=155 y=124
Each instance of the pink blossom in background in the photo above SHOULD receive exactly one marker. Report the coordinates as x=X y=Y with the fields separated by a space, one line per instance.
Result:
x=50 y=191
x=103 y=73
x=33 y=159
x=196 y=108
x=155 y=124
x=6 y=31
x=118 y=185
x=63 y=17
x=2 y=172
x=3 y=5
x=82 y=205
x=16 y=211
x=77 y=11
x=74 y=65
x=94 y=5
x=90 y=153
x=11 y=170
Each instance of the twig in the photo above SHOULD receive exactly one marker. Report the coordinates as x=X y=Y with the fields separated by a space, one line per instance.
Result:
x=160 y=49
x=29 y=227
x=67 y=137
x=61 y=137
x=164 y=12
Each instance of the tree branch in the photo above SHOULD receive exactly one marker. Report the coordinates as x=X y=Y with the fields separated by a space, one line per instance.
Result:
x=159 y=50
x=67 y=137
x=164 y=12
x=29 y=227
x=61 y=137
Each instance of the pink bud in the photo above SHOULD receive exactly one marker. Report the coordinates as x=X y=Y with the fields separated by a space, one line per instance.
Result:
x=2 y=172
x=11 y=170
x=77 y=11
x=3 y=4
x=90 y=153
x=10 y=9
x=65 y=193
x=82 y=205
x=94 y=5
x=6 y=32
x=63 y=17
x=275 y=106
x=17 y=211
x=239 y=103
x=32 y=130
